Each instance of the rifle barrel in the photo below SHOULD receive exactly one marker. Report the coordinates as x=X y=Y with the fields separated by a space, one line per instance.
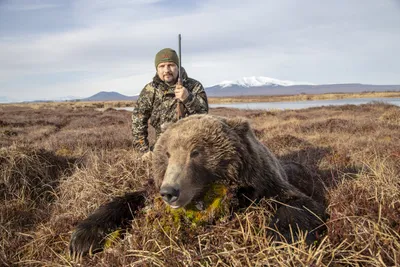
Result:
x=180 y=56
x=179 y=105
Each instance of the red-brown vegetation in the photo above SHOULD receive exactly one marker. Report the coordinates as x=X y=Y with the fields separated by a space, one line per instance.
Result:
x=58 y=164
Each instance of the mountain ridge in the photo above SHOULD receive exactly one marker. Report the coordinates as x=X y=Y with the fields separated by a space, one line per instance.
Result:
x=237 y=90
x=269 y=86
x=245 y=86
x=255 y=81
x=108 y=96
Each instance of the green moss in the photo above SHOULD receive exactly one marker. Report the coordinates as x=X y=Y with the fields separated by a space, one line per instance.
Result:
x=182 y=224
x=112 y=238
x=211 y=207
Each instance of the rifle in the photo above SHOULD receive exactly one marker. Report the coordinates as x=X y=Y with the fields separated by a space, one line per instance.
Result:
x=180 y=56
x=179 y=106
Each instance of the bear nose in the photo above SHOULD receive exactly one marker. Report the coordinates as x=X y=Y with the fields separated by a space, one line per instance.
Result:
x=169 y=194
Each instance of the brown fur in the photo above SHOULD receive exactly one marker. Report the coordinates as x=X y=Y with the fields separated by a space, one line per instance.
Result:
x=227 y=151
x=193 y=154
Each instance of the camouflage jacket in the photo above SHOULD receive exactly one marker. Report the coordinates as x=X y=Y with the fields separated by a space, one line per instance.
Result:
x=157 y=104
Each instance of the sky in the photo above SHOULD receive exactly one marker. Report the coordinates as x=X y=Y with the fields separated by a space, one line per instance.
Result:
x=53 y=49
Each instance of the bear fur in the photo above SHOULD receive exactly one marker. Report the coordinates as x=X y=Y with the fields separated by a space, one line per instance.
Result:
x=197 y=152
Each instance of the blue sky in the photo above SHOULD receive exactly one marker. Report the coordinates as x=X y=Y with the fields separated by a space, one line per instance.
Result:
x=51 y=49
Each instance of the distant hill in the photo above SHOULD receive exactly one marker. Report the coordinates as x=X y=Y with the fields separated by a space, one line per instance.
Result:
x=268 y=86
x=109 y=96
x=236 y=90
x=233 y=89
x=246 y=86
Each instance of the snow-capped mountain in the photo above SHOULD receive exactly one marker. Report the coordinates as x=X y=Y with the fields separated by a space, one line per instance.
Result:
x=254 y=81
x=269 y=86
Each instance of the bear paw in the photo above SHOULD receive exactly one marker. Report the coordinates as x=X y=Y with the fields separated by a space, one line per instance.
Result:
x=86 y=239
x=301 y=215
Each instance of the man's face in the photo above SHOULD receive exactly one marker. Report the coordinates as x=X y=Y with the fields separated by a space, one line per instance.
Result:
x=168 y=72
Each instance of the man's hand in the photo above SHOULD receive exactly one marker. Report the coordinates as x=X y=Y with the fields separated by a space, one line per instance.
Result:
x=181 y=93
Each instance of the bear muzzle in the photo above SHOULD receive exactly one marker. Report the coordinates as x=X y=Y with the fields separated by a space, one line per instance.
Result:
x=176 y=188
x=169 y=194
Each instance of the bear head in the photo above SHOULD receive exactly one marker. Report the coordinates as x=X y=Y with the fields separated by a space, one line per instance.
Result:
x=195 y=153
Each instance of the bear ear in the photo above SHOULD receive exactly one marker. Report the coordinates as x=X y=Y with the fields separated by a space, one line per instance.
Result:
x=240 y=125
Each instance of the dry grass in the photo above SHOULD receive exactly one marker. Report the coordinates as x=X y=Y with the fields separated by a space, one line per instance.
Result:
x=58 y=164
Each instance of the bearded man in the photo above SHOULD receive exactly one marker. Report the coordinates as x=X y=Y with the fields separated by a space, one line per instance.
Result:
x=159 y=99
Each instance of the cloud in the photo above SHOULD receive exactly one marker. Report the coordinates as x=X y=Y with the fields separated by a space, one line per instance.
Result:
x=28 y=6
x=110 y=45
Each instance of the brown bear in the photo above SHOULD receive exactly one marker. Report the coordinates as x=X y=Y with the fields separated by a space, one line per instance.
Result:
x=195 y=153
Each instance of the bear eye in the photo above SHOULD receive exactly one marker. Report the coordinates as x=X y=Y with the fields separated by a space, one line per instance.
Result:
x=168 y=155
x=194 y=153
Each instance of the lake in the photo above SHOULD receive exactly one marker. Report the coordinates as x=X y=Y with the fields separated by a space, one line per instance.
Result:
x=301 y=104
x=307 y=104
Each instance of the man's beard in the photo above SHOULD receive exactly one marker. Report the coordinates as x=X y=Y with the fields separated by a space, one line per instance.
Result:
x=171 y=81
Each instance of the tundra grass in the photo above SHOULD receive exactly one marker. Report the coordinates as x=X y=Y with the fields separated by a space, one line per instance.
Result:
x=57 y=165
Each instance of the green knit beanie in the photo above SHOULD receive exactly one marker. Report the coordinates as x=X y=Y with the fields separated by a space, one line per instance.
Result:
x=166 y=55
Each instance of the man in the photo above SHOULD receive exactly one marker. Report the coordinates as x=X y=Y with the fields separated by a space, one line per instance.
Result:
x=159 y=99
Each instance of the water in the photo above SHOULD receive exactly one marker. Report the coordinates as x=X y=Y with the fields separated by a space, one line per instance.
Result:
x=306 y=104
x=299 y=104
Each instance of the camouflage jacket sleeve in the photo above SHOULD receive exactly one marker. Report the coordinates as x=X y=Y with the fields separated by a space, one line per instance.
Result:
x=197 y=102
x=140 y=117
